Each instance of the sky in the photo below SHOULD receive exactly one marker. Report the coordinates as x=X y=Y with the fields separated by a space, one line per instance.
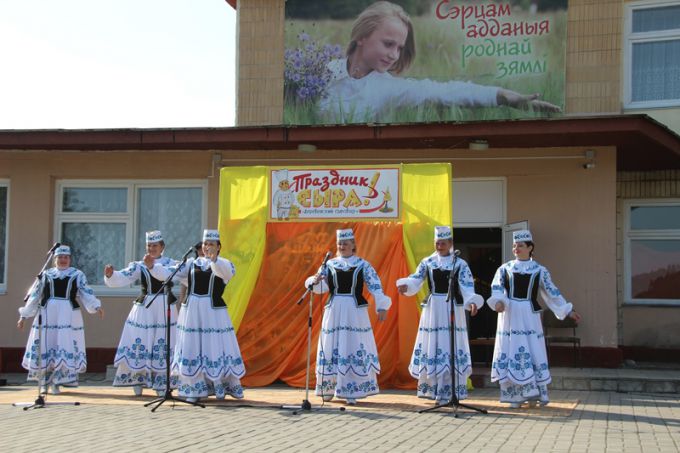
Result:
x=83 y=64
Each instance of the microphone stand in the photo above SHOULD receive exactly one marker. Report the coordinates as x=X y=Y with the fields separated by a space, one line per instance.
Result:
x=453 y=402
x=306 y=405
x=166 y=287
x=40 y=400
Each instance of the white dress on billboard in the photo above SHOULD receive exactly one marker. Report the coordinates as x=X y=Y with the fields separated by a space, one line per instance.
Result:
x=350 y=100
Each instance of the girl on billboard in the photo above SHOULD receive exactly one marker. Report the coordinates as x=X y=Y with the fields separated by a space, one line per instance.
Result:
x=382 y=46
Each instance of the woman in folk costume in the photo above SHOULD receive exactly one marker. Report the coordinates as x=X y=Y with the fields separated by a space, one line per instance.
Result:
x=520 y=362
x=207 y=359
x=140 y=356
x=59 y=294
x=431 y=359
x=347 y=358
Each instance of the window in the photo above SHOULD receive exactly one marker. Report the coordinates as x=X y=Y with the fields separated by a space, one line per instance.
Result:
x=4 y=222
x=652 y=252
x=652 y=50
x=105 y=222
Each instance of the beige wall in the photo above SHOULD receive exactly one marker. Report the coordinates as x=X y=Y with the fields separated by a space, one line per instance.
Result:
x=574 y=234
x=32 y=178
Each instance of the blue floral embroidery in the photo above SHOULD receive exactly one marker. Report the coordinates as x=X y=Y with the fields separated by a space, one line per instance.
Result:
x=204 y=330
x=361 y=362
x=139 y=325
x=348 y=329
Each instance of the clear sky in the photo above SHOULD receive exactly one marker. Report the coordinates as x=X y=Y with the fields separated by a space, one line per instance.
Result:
x=75 y=64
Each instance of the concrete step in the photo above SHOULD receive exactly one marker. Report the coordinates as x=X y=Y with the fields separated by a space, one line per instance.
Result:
x=601 y=379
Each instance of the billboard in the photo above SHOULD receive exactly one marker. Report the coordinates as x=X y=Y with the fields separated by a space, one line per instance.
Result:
x=333 y=193
x=410 y=61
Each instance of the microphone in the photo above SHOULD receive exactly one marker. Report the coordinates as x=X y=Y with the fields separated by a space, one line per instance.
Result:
x=326 y=258
x=197 y=248
x=456 y=252
x=54 y=247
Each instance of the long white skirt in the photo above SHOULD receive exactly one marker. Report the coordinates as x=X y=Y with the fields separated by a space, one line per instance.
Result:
x=207 y=358
x=431 y=358
x=347 y=358
x=140 y=356
x=520 y=362
x=62 y=345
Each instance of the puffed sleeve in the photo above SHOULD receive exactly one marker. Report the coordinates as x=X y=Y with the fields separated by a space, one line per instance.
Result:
x=414 y=281
x=382 y=302
x=466 y=283
x=498 y=290
x=85 y=296
x=124 y=277
x=552 y=296
x=223 y=268
x=31 y=307
x=162 y=272
x=322 y=286
x=410 y=92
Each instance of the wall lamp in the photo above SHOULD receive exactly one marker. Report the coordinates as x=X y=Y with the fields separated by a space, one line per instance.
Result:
x=589 y=155
x=478 y=144
x=306 y=147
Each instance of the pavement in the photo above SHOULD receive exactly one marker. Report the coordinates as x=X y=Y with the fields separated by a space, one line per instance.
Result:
x=111 y=420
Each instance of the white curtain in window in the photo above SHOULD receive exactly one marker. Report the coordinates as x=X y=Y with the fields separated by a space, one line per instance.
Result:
x=177 y=212
x=94 y=245
x=656 y=71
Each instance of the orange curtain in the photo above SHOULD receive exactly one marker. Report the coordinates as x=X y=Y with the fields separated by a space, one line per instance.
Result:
x=273 y=333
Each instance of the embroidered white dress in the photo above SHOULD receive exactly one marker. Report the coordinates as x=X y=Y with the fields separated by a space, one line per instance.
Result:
x=140 y=357
x=207 y=359
x=62 y=338
x=350 y=100
x=347 y=362
x=431 y=359
x=520 y=362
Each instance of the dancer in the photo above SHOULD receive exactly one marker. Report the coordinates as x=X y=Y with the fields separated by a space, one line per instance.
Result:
x=140 y=357
x=347 y=362
x=520 y=362
x=60 y=293
x=431 y=359
x=207 y=359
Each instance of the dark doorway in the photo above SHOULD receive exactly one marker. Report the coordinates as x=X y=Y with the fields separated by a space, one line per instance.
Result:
x=482 y=249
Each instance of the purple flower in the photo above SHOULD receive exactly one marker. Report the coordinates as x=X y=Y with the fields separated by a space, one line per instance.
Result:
x=306 y=73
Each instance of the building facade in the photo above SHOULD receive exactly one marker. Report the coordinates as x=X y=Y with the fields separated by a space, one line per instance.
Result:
x=599 y=187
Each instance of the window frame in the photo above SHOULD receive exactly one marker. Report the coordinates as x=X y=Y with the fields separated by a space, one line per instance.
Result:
x=130 y=217
x=629 y=235
x=630 y=38
x=3 y=284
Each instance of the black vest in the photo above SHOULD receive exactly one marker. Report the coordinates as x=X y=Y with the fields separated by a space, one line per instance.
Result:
x=205 y=283
x=523 y=287
x=439 y=280
x=347 y=283
x=145 y=278
x=61 y=288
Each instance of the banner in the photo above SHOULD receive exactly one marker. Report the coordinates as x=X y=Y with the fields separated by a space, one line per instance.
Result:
x=406 y=61
x=332 y=193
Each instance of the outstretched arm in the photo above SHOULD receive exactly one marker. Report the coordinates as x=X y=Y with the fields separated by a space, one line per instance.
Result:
x=525 y=101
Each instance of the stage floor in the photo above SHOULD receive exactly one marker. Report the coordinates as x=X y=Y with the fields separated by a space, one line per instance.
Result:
x=275 y=397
